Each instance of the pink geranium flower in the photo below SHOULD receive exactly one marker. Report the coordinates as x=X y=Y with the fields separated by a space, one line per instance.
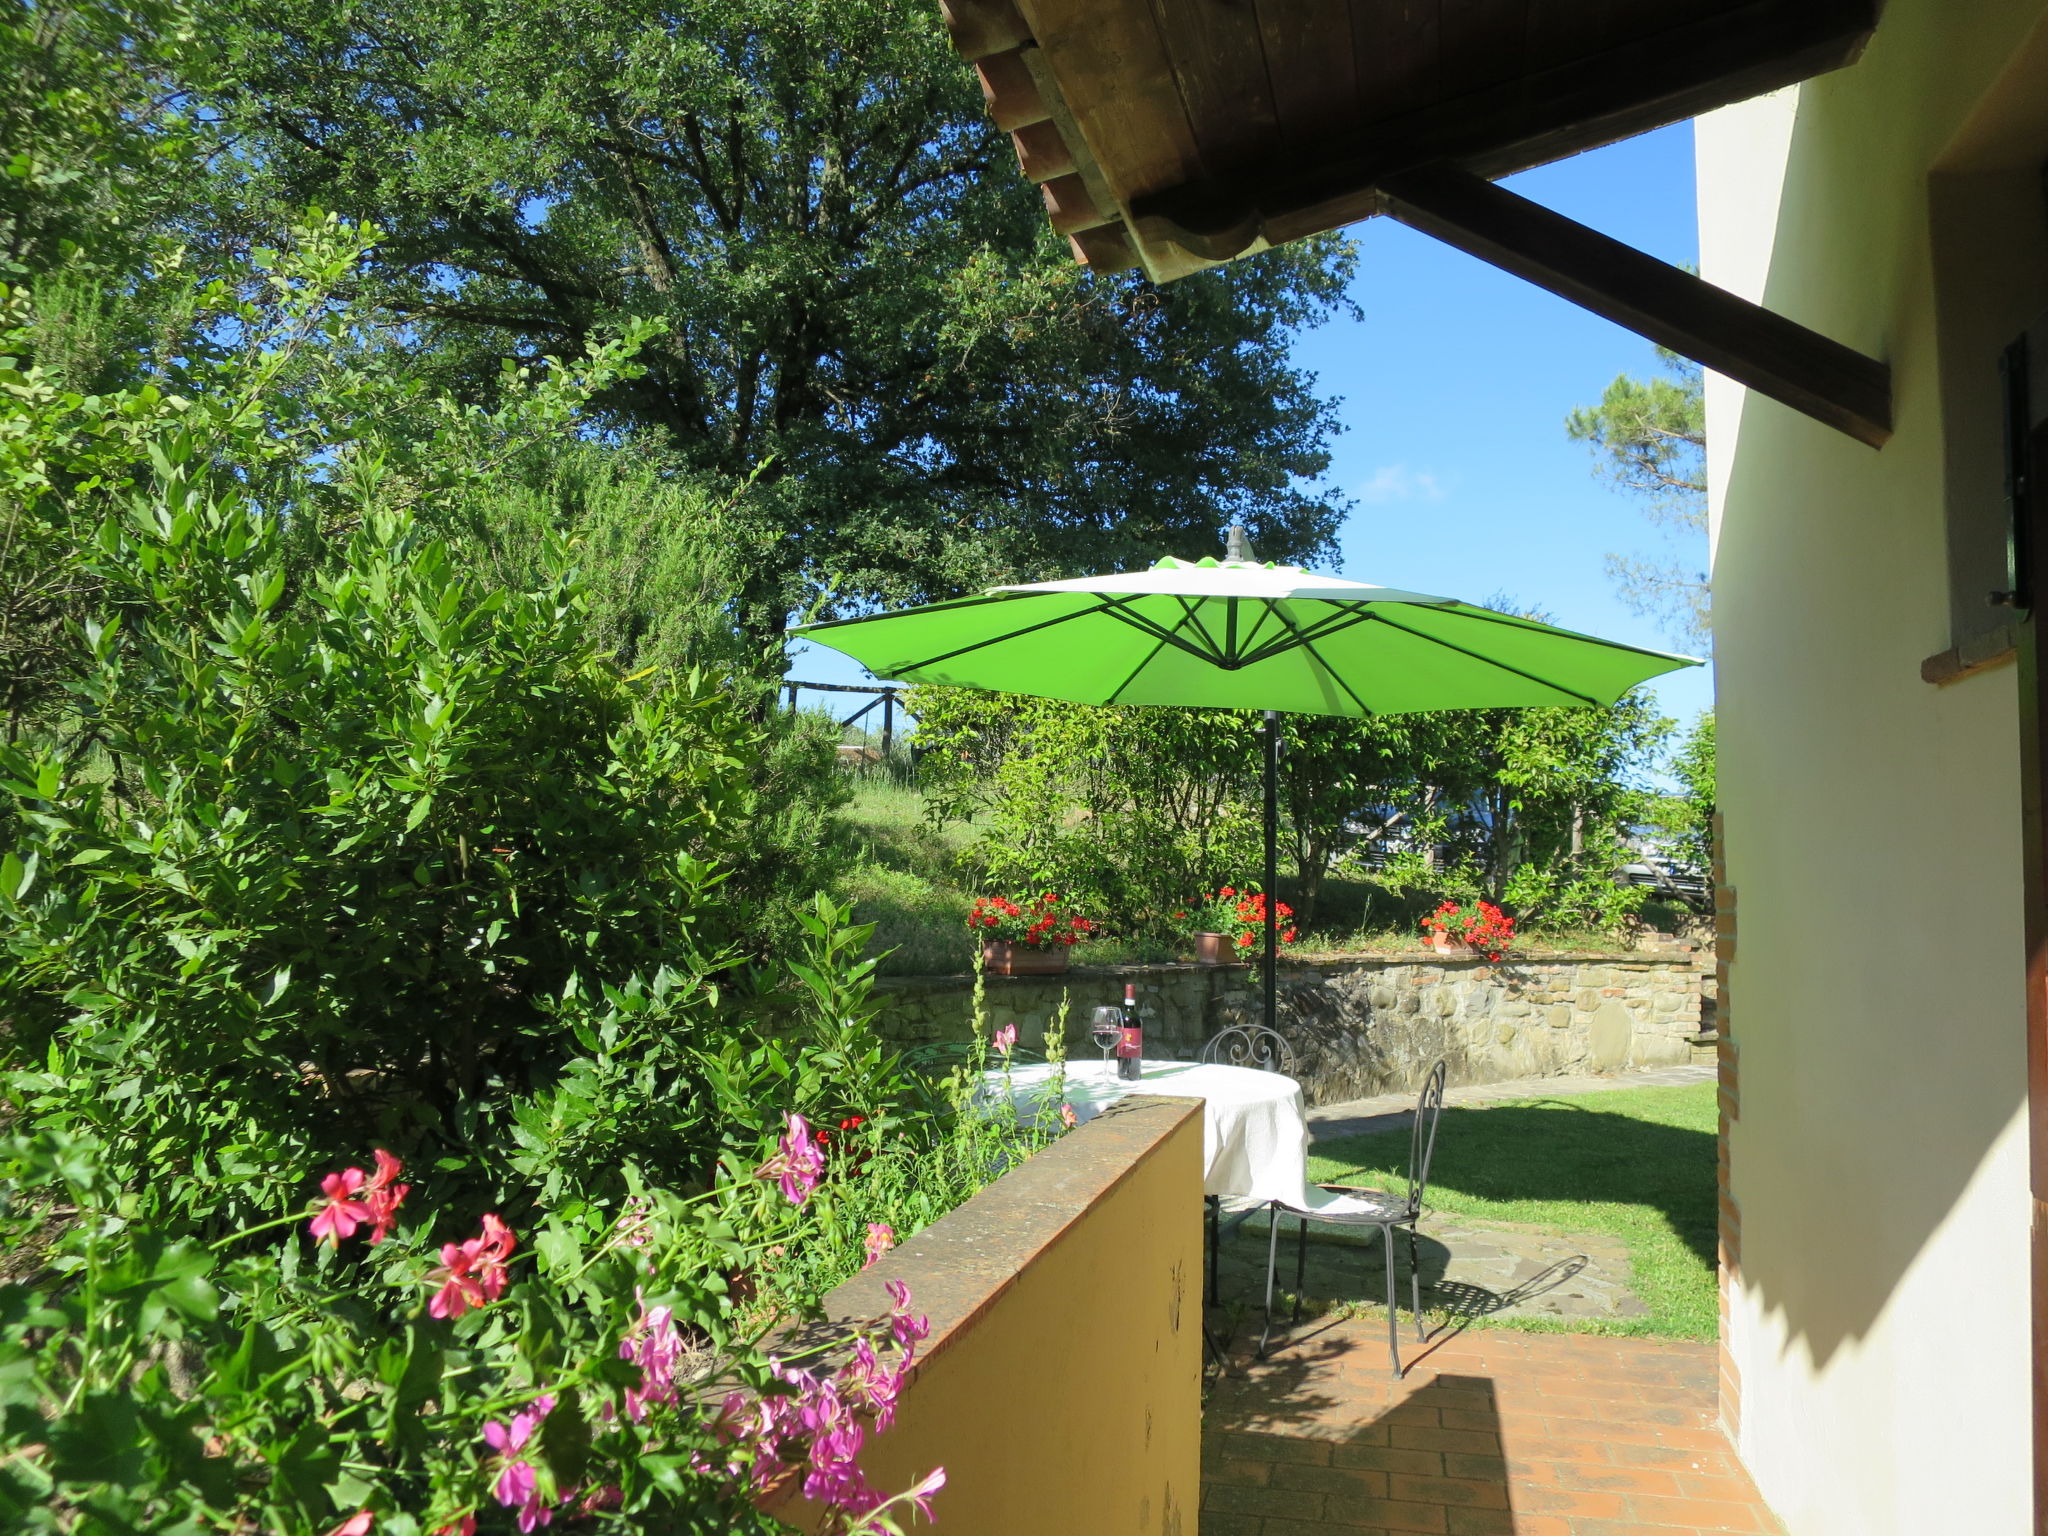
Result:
x=605 y=1496
x=818 y=1429
x=343 y=1212
x=472 y=1274
x=383 y=1197
x=872 y=1386
x=797 y=1164
x=921 y=1495
x=491 y=1251
x=634 y=1227
x=459 y=1288
x=353 y=1200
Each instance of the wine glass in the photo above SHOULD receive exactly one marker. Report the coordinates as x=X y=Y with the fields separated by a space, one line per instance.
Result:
x=1106 y=1029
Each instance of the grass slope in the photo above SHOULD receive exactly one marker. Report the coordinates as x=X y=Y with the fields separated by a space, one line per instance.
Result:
x=1637 y=1163
x=904 y=879
x=907 y=878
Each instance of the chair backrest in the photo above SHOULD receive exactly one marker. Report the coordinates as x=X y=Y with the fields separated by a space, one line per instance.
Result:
x=1429 y=1105
x=1250 y=1045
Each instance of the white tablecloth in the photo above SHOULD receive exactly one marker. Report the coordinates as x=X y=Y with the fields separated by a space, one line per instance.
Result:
x=1254 y=1132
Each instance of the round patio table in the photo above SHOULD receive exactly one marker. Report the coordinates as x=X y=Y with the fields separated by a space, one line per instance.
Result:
x=1254 y=1131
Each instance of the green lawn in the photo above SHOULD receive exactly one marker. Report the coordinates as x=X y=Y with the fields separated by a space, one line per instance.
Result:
x=1637 y=1163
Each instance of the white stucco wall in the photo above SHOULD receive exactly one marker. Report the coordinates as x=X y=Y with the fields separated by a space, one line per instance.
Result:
x=1880 y=1322
x=1740 y=176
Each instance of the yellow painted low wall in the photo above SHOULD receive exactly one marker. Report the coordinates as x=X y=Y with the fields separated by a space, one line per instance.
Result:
x=1061 y=1385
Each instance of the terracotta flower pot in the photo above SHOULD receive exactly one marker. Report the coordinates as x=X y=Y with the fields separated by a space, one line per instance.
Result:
x=1444 y=944
x=1000 y=957
x=1212 y=949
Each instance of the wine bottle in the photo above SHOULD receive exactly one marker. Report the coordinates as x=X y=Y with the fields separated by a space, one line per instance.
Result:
x=1130 y=1045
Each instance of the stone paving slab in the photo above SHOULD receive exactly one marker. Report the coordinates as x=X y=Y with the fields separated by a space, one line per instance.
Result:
x=1470 y=1268
x=1357 y=1117
x=1487 y=1433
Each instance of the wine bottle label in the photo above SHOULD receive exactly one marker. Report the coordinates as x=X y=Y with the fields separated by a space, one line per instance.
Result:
x=1130 y=1042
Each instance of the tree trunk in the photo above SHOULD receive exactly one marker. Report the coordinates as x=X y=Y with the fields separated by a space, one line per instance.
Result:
x=1311 y=864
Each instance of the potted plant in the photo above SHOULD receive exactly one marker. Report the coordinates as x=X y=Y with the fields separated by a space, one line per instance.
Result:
x=1457 y=929
x=1027 y=938
x=1229 y=923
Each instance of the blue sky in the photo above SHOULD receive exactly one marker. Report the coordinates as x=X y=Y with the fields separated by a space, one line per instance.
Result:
x=1454 y=390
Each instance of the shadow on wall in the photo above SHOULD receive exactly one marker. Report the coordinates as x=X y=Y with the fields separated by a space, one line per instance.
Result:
x=1871 y=1096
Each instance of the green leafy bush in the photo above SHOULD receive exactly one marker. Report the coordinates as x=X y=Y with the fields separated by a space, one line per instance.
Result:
x=1123 y=811
x=333 y=838
x=331 y=867
x=330 y=845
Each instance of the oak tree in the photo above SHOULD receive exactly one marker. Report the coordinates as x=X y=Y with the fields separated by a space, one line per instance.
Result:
x=856 y=287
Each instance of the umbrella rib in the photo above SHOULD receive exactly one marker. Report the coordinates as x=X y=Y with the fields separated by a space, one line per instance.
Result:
x=1161 y=633
x=948 y=605
x=1250 y=650
x=1322 y=629
x=1117 y=692
x=1193 y=610
x=1187 y=617
x=1110 y=607
x=1306 y=640
x=1508 y=620
x=1338 y=678
x=1531 y=677
x=898 y=668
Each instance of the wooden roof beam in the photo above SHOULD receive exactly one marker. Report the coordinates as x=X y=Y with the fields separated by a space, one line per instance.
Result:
x=1748 y=343
x=1009 y=92
x=1042 y=152
x=979 y=28
x=1648 y=81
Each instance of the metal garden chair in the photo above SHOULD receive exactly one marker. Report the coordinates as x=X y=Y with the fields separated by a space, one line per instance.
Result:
x=1263 y=1050
x=1342 y=1205
x=1249 y=1045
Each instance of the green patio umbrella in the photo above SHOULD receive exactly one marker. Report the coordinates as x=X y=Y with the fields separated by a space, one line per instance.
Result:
x=1238 y=634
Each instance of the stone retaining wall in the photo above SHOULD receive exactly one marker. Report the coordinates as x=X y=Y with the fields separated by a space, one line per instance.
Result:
x=1362 y=1025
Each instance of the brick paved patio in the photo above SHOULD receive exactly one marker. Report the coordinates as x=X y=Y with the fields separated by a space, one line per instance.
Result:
x=1490 y=1433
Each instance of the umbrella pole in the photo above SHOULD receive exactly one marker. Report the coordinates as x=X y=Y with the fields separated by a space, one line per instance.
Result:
x=1272 y=865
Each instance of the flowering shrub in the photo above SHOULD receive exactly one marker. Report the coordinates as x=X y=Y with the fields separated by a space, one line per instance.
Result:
x=1036 y=923
x=335 y=841
x=969 y=1135
x=1240 y=915
x=341 y=833
x=603 y=1374
x=1484 y=926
